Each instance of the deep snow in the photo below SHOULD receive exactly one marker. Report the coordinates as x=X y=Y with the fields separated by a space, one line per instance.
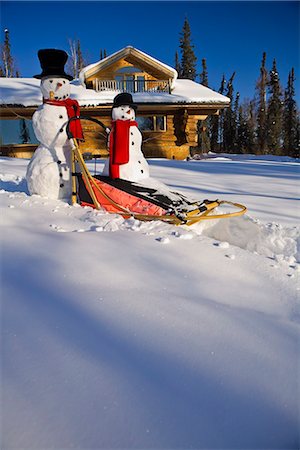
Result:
x=122 y=334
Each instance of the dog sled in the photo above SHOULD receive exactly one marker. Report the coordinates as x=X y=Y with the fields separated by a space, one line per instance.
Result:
x=132 y=199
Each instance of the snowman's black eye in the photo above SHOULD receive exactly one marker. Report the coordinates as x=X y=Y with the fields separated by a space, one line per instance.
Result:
x=51 y=81
x=64 y=82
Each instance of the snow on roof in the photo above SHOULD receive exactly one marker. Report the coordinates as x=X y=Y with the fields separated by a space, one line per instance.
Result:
x=91 y=68
x=26 y=92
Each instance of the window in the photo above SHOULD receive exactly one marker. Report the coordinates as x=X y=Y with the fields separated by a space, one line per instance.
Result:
x=17 y=132
x=152 y=123
x=130 y=79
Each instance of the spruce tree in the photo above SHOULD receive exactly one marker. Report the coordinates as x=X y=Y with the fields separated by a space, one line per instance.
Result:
x=216 y=125
x=246 y=128
x=203 y=125
x=7 y=68
x=188 y=57
x=203 y=74
x=274 y=113
x=235 y=122
x=290 y=120
x=102 y=54
x=177 y=64
x=24 y=132
x=229 y=124
x=251 y=124
x=261 y=88
x=80 y=60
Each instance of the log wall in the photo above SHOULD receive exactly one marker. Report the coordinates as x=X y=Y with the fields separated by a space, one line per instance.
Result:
x=174 y=143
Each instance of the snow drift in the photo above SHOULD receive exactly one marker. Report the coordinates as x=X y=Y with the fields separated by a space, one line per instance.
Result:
x=123 y=334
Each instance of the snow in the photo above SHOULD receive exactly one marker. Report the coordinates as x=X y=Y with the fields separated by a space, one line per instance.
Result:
x=26 y=92
x=123 y=334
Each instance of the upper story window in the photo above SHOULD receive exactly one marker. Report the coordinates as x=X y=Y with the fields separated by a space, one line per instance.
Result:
x=129 y=70
x=130 y=79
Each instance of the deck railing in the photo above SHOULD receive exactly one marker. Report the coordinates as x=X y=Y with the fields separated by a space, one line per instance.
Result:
x=132 y=86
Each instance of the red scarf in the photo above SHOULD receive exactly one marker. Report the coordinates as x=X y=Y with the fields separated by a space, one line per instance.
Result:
x=119 y=140
x=73 y=110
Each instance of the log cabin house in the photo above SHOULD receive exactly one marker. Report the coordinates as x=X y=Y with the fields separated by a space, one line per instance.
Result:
x=168 y=108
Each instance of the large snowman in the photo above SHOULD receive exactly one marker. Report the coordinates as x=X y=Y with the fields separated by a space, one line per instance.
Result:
x=49 y=170
x=126 y=160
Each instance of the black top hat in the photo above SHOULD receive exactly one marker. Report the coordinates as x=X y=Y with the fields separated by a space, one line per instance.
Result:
x=52 y=63
x=124 y=99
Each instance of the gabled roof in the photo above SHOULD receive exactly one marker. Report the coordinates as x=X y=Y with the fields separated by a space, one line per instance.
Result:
x=132 y=55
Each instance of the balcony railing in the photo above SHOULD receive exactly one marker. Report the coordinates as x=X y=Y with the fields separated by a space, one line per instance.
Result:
x=132 y=86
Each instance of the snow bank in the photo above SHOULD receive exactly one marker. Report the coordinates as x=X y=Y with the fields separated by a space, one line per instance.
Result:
x=271 y=240
x=125 y=334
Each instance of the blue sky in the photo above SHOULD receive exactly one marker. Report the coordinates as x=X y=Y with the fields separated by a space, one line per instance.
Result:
x=230 y=35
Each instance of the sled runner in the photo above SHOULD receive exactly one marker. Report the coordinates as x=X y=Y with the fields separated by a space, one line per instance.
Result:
x=132 y=199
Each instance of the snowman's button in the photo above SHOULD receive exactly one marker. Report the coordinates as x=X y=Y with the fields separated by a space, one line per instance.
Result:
x=61 y=117
x=59 y=161
x=60 y=174
x=61 y=130
x=132 y=143
x=139 y=162
x=142 y=171
x=131 y=133
x=61 y=185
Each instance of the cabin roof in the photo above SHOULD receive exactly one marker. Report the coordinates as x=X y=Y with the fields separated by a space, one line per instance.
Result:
x=132 y=55
x=26 y=92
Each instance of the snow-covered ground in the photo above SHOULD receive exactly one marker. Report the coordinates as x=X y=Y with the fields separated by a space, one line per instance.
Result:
x=122 y=334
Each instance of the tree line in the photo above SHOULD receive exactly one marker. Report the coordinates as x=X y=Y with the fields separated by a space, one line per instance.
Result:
x=267 y=124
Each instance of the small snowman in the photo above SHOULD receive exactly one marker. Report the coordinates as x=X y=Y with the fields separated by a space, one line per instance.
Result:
x=49 y=170
x=126 y=160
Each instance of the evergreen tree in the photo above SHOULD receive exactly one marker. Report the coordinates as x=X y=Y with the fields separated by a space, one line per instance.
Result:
x=251 y=123
x=297 y=153
x=188 y=57
x=229 y=124
x=246 y=128
x=261 y=88
x=235 y=121
x=203 y=74
x=274 y=113
x=7 y=61
x=24 y=132
x=203 y=125
x=290 y=119
x=80 y=60
x=216 y=125
x=177 y=64
x=102 y=54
